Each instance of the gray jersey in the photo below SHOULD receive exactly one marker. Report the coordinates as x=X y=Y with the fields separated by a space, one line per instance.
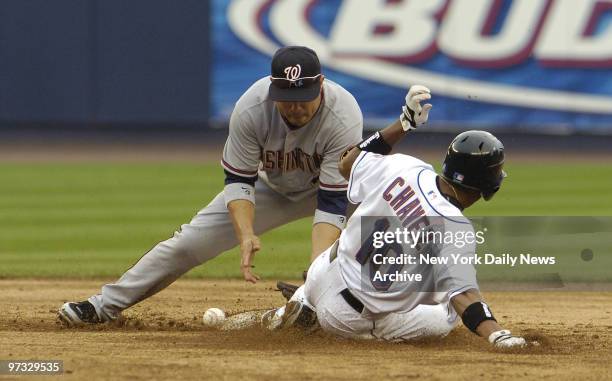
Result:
x=294 y=163
x=400 y=191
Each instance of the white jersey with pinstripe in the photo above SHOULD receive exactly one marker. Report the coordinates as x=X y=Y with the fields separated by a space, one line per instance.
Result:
x=403 y=188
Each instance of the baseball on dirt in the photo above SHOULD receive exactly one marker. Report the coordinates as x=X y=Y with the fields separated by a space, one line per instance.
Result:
x=213 y=317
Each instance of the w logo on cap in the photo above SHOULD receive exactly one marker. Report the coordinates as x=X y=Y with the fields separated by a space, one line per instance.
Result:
x=293 y=72
x=296 y=75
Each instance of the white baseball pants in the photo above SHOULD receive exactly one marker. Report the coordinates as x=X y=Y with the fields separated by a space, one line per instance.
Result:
x=322 y=291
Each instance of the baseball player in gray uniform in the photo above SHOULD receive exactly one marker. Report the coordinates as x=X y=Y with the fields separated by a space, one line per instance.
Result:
x=286 y=135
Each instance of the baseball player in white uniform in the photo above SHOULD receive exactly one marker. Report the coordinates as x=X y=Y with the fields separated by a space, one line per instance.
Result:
x=286 y=135
x=355 y=296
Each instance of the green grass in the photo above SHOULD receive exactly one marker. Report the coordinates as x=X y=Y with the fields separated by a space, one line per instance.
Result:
x=95 y=220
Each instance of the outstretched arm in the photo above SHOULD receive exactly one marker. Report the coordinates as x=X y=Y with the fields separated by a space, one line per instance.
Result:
x=477 y=317
x=242 y=213
x=240 y=163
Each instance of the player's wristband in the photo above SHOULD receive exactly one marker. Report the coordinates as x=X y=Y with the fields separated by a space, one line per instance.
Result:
x=475 y=314
x=239 y=191
x=375 y=144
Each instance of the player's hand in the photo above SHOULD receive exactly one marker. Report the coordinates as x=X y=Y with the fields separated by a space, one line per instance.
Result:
x=249 y=245
x=504 y=340
x=413 y=114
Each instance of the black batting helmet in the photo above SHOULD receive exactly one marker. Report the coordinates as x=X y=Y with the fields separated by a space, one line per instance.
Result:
x=474 y=161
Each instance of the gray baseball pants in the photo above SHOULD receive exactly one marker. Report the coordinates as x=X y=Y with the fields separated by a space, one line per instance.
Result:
x=209 y=234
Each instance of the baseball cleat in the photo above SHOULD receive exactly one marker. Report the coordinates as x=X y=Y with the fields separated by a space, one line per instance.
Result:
x=78 y=314
x=293 y=314
x=300 y=315
x=273 y=319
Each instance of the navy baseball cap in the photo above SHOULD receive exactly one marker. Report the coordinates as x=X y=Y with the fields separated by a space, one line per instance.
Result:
x=296 y=73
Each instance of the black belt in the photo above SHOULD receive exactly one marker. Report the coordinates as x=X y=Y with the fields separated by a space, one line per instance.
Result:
x=349 y=298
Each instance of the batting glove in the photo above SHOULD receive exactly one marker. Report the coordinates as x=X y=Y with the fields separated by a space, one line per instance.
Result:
x=504 y=340
x=413 y=114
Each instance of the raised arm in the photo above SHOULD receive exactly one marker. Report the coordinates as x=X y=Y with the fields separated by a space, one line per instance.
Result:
x=412 y=116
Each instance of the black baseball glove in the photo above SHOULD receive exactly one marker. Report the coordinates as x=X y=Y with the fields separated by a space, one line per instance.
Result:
x=287 y=289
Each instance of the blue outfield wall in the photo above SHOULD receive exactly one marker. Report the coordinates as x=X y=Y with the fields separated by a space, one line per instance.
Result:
x=535 y=66
x=104 y=61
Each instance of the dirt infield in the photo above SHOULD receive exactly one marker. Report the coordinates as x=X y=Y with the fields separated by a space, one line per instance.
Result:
x=162 y=338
